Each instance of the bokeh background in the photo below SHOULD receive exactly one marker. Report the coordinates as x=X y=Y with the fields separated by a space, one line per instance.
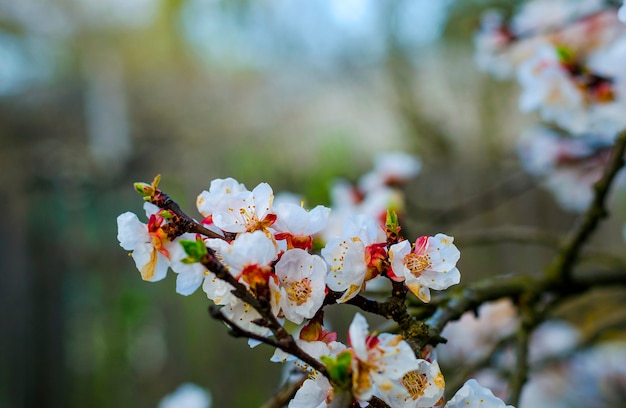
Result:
x=98 y=94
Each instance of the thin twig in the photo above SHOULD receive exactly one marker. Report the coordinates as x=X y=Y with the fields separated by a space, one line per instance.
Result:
x=286 y=344
x=185 y=222
x=520 y=374
x=237 y=331
x=463 y=298
x=515 y=186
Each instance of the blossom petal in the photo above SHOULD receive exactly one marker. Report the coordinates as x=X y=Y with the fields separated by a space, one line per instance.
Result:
x=473 y=394
x=131 y=232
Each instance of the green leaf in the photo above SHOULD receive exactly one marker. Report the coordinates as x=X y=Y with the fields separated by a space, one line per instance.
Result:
x=167 y=214
x=565 y=54
x=392 y=225
x=148 y=190
x=195 y=250
x=143 y=188
x=340 y=369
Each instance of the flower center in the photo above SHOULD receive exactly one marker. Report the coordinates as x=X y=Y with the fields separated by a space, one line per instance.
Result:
x=248 y=214
x=415 y=383
x=299 y=292
x=158 y=235
x=417 y=264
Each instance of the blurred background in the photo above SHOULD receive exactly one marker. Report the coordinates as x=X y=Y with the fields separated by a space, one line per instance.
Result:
x=98 y=94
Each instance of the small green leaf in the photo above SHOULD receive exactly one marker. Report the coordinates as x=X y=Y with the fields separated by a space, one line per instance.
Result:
x=340 y=369
x=148 y=190
x=392 y=225
x=166 y=214
x=144 y=189
x=194 y=249
x=565 y=54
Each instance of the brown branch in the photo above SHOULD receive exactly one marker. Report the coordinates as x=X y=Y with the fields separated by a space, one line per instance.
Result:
x=236 y=331
x=520 y=374
x=284 y=340
x=182 y=220
x=463 y=298
x=376 y=402
x=395 y=308
x=286 y=344
x=561 y=268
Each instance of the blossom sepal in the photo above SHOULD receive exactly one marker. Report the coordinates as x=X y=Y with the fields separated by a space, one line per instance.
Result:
x=147 y=191
x=195 y=250
x=339 y=369
x=392 y=227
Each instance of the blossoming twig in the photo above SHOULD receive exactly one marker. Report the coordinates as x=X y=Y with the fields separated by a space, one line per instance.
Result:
x=285 y=343
x=182 y=220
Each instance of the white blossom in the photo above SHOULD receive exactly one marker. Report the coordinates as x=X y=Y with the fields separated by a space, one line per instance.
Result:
x=245 y=211
x=346 y=255
x=187 y=395
x=149 y=244
x=431 y=264
x=378 y=362
x=299 y=289
x=421 y=387
x=473 y=395
x=315 y=392
x=219 y=190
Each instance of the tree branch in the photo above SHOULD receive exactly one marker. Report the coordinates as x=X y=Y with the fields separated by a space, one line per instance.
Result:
x=286 y=344
x=562 y=266
x=182 y=220
x=520 y=374
x=463 y=298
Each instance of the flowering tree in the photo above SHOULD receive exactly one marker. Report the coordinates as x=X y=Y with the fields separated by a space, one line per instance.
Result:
x=271 y=267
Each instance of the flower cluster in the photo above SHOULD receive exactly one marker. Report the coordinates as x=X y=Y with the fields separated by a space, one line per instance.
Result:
x=258 y=264
x=569 y=58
